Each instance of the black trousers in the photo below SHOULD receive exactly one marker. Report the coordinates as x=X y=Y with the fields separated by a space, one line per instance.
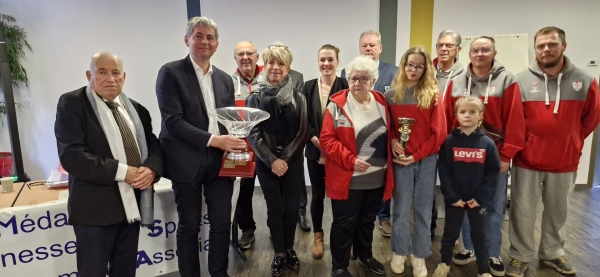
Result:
x=478 y=222
x=243 y=210
x=282 y=195
x=188 y=197
x=434 y=216
x=303 y=194
x=353 y=224
x=114 y=246
x=316 y=173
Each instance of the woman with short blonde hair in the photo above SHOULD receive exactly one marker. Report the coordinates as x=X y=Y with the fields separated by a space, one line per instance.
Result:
x=278 y=142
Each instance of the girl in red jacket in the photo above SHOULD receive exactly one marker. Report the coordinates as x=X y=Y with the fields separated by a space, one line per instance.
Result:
x=414 y=94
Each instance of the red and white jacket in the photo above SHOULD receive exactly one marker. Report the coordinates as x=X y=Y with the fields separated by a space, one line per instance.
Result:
x=429 y=130
x=338 y=141
x=501 y=96
x=560 y=112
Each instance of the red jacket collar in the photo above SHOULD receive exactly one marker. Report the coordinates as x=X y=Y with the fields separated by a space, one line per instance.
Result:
x=259 y=68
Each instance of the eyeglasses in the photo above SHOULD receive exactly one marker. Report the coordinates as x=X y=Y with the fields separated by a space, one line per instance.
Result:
x=273 y=47
x=242 y=54
x=484 y=51
x=411 y=66
x=447 y=45
x=362 y=80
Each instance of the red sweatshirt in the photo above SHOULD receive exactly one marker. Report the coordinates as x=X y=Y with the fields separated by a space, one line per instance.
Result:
x=560 y=112
x=429 y=130
x=501 y=96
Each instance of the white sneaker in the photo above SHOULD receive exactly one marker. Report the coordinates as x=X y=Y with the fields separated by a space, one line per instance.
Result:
x=484 y=275
x=441 y=270
x=398 y=263
x=418 y=265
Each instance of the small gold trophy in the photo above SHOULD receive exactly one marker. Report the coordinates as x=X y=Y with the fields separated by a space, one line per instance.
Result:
x=404 y=131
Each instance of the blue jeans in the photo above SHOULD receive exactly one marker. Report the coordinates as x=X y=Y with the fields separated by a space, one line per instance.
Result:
x=413 y=183
x=384 y=210
x=495 y=211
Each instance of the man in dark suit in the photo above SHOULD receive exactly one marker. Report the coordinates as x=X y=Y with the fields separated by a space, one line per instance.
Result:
x=370 y=45
x=193 y=144
x=106 y=144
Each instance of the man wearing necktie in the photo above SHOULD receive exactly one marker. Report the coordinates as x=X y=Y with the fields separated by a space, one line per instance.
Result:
x=105 y=142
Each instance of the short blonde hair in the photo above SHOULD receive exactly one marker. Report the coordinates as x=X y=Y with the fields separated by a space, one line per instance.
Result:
x=467 y=99
x=363 y=63
x=279 y=52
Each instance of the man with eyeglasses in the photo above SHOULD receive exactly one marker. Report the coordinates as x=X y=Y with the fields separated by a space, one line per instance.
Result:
x=245 y=83
x=562 y=108
x=370 y=45
x=446 y=64
x=446 y=67
x=504 y=123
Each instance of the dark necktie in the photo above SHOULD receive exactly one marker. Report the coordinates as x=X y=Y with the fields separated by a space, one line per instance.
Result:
x=131 y=149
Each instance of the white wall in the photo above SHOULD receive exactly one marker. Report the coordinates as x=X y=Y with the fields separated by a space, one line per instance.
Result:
x=304 y=26
x=64 y=34
x=403 y=32
x=147 y=34
x=579 y=19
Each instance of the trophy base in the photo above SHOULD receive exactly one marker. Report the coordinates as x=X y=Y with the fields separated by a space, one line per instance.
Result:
x=238 y=168
x=402 y=157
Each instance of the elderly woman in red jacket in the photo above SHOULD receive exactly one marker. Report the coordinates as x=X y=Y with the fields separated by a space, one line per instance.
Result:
x=357 y=164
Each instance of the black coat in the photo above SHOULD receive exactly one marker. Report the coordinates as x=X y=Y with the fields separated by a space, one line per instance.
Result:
x=184 y=135
x=84 y=152
x=264 y=143
x=315 y=116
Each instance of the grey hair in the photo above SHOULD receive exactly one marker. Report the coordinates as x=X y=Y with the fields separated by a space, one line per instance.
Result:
x=253 y=46
x=371 y=32
x=363 y=63
x=96 y=56
x=201 y=21
x=455 y=35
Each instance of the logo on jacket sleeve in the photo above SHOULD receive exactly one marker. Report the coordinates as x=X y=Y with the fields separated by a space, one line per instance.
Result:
x=469 y=155
x=577 y=85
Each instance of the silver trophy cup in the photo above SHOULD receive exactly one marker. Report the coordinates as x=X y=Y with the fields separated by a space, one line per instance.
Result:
x=239 y=121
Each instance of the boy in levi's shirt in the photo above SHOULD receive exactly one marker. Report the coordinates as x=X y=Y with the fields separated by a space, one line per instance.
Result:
x=468 y=166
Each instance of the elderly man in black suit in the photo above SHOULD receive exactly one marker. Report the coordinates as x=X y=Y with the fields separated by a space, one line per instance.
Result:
x=193 y=144
x=106 y=144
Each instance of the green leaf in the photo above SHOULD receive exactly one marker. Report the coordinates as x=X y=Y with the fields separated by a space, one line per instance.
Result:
x=16 y=40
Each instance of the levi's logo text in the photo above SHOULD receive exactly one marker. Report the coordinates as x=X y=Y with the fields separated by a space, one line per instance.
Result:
x=469 y=155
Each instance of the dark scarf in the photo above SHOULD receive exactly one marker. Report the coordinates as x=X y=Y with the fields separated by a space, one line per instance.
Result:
x=277 y=101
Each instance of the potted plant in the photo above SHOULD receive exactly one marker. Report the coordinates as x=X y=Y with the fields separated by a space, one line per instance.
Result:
x=16 y=42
